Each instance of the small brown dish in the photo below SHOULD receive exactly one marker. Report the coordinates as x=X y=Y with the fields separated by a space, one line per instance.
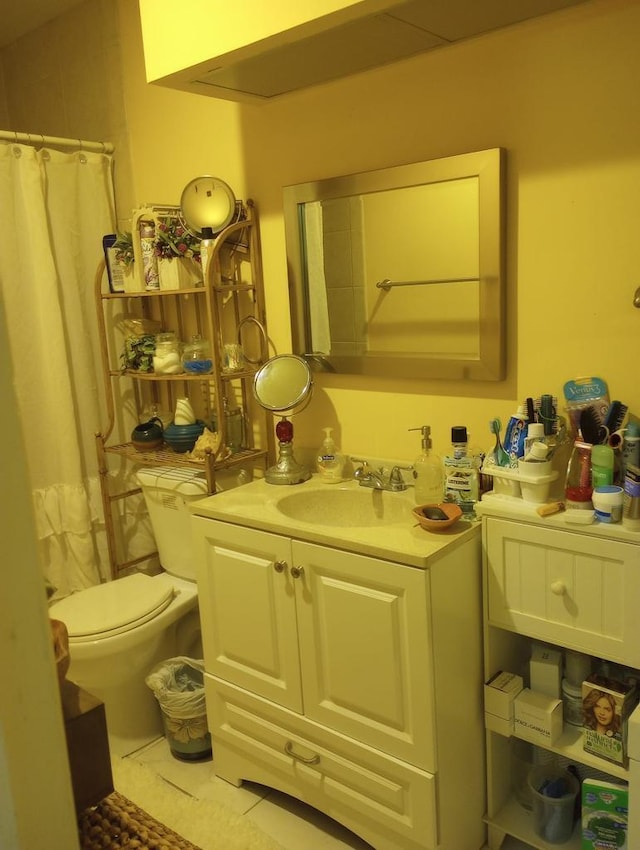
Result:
x=428 y=515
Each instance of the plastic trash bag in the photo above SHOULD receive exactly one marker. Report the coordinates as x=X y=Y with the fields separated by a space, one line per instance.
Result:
x=178 y=685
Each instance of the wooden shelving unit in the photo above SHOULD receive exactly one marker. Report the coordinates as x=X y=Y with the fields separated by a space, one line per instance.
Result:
x=227 y=308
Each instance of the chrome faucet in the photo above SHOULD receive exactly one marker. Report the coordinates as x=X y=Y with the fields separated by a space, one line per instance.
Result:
x=377 y=479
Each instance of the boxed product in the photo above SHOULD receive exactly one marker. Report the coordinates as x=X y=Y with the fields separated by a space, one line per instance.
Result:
x=605 y=807
x=545 y=670
x=500 y=692
x=537 y=717
x=606 y=706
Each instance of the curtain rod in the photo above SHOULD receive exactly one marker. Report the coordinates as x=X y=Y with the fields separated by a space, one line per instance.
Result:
x=39 y=139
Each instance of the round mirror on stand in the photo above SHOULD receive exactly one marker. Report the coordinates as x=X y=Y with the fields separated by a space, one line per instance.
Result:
x=208 y=205
x=284 y=385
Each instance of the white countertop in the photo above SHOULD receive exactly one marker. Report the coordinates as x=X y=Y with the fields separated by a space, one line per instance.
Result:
x=509 y=507
x=255 y=505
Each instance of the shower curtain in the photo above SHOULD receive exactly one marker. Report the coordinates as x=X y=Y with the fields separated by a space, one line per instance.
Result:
x=54 y=209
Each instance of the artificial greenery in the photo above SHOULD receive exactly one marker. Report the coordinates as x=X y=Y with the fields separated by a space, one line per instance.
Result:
x=138 y=353
x=174 y=240
x=124 y=248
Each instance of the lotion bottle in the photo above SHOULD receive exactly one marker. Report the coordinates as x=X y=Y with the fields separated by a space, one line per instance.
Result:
x=329 y=462
x=428 y=472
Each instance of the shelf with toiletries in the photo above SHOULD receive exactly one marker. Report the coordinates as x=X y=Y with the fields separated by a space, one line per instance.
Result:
x=211 y=333
x=570 y=591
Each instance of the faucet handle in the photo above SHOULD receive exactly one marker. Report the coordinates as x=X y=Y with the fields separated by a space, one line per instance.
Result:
x=396 y=480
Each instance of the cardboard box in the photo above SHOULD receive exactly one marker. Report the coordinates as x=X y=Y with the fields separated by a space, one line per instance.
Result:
x=606 y=705
x=498 y=724
x=545 y=671
x=537 y=717
x=605 y=815
x=500 y=692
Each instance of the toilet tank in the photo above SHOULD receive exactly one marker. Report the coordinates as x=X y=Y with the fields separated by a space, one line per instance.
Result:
x=167 y=492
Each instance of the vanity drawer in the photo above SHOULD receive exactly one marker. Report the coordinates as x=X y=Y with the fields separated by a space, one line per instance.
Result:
x=571 y=589
x=367 y=791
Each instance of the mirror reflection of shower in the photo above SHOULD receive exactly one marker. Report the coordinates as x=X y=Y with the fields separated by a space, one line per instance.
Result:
x=284 y=385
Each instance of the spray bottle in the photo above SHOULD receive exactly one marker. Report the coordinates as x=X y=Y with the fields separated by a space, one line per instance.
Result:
x=428 y=472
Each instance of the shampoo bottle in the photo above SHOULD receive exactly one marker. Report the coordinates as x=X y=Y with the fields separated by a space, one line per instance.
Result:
x=428 y=472
x=330 y=462
x=206 y=250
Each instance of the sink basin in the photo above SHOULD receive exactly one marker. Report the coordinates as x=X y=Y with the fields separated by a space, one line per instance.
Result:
x=344 y=508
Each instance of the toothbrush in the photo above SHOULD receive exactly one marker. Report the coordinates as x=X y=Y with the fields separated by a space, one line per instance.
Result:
x=500 y=457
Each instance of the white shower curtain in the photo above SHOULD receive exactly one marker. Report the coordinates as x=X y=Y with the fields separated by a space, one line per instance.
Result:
x=54 y=209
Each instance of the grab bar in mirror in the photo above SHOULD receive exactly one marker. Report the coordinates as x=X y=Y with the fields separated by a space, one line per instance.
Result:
x=386 y=284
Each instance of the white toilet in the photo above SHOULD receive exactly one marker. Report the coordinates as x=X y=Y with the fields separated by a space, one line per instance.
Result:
x=120 y=630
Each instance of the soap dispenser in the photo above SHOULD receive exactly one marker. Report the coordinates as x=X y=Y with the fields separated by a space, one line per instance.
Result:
x=330 y=462
x=428 y=472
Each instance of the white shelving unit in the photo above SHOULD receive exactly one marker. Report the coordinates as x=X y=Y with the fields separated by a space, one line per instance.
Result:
x=571 y=586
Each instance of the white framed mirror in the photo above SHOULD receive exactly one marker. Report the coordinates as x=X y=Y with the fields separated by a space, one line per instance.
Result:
x=400 y=272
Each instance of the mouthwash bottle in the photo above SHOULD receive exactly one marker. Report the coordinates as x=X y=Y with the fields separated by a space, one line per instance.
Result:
x=461 y=472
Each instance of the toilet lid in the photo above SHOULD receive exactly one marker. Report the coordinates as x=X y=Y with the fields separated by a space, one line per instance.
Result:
x=112 y=608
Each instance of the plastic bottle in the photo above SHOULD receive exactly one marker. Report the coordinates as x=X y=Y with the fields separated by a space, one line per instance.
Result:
x=535 y=434
x=147 y=231
x=630 y=448
x=329 y=462
x=578 y=487
x=206 y=250
x=460 y=472
x=601 y=466
x=515 y=435
x=428 y=472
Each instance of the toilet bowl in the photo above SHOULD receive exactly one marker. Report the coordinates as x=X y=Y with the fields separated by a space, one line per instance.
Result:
x=119 y=631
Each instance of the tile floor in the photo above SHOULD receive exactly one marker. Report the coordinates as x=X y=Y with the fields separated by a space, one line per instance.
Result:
x=292 y=823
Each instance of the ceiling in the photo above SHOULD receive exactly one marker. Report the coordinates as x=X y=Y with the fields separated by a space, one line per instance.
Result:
x=21 y=16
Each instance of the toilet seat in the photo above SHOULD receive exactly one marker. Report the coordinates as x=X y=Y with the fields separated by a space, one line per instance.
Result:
x=112 y=608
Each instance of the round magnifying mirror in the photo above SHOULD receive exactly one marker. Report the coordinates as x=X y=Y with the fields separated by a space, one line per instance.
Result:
x=283 y=383
x=207 y=202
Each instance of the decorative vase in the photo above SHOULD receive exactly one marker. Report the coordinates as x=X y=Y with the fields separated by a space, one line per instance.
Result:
x=179 y=273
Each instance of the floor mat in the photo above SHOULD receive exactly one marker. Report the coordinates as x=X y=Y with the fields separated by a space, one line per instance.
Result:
x=117 y=823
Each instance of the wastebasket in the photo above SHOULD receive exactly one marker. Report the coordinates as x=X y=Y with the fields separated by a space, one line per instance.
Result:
x=178 y=685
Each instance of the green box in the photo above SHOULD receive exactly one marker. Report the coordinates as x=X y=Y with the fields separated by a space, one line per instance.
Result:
x=605 y=815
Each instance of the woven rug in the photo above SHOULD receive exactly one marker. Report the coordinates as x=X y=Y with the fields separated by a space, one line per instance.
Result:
x=117 y=823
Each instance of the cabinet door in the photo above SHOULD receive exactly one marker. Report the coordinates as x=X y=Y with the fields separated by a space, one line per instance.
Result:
x=571 y=589
x=247 y=609
x=365 y=648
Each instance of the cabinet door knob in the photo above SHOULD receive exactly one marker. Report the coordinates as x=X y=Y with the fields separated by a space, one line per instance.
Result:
x=297 y=572
x=558 y=587
x=288 y=748
x=280 y=566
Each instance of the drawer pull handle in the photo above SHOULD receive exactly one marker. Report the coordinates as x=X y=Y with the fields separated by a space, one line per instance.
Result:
x=558 y=587
x=297 y=572
x=288 y=748
x=280 y=566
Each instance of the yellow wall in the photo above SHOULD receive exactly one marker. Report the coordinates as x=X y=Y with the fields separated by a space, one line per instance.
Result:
x=557 y=93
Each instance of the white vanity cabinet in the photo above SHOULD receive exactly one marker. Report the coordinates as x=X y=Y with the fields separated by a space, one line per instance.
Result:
x=571 y=586
x=351 y=682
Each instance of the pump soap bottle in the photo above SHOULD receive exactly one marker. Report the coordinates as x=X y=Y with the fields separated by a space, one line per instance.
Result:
x=428 y=472
x=330 y=462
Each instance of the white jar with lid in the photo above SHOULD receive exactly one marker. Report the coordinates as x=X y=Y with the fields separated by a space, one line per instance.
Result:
x=166 y=359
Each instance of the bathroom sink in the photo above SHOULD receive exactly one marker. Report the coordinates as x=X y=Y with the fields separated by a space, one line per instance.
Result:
x=344 y=508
